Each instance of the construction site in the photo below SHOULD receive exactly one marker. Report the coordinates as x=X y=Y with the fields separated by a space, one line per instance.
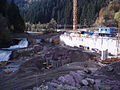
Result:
x=77 y=59
x=99 y=39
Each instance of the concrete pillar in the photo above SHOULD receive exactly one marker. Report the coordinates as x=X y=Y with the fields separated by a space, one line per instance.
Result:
x=104 y=54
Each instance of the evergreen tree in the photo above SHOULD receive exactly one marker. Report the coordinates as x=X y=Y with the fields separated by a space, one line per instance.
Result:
x=10 y=21
x=16 y=23
x=3 y=7
x=5 y=36
x=61 y=10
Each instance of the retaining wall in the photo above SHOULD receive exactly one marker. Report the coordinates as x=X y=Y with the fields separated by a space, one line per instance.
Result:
x=100 y=43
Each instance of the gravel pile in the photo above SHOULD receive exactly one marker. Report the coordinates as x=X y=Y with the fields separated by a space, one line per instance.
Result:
x=105 y=78
x=72 y=81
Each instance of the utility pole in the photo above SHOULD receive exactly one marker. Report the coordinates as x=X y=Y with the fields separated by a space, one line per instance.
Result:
x=75 y=14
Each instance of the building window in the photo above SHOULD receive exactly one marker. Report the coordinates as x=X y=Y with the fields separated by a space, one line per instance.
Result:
x=105 y=29
x=101 y=29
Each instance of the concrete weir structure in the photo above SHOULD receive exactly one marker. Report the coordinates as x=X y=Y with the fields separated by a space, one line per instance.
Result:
x=101 y=43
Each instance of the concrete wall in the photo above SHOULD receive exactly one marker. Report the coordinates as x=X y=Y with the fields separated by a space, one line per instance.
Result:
x=99 y=43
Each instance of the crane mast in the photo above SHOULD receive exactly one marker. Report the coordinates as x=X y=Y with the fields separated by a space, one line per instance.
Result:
x=75 y=14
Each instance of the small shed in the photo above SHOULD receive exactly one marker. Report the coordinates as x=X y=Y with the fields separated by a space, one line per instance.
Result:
x=107 y=31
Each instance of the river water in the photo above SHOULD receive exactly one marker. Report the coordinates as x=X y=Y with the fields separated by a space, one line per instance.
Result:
x=6 y=52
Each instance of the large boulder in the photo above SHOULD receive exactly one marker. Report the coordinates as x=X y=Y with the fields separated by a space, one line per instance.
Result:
x=67 y=79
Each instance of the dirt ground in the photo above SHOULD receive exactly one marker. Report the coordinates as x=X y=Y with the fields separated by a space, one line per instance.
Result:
x=33 y=72
x=28 y=79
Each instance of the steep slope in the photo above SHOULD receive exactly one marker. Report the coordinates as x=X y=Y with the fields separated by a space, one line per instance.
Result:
x=10 y=22
x=109 y=15
x=61 y=10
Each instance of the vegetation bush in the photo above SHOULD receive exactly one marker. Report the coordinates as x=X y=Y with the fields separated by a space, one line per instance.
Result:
x=117 y=16
x=45 y=28
x=51 y=26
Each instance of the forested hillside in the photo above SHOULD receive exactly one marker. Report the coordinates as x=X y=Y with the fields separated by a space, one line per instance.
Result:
x=61 y=10
x=10 y=22
x=110 y=15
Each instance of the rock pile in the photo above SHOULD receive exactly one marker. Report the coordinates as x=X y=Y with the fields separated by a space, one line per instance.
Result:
x=105 y=78
x=78 y=80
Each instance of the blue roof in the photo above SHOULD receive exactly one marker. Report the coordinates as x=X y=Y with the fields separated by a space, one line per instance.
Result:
x=107 y=28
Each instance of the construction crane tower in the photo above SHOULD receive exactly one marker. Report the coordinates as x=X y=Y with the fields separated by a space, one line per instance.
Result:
x=75 y=14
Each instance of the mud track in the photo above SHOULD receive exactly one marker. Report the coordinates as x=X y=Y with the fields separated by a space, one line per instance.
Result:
x=30 y=80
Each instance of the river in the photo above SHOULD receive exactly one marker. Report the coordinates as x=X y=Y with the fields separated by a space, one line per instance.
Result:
x=6 y=52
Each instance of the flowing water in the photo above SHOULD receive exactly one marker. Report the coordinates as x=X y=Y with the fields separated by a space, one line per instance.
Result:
x=5 y=55
x=6 y=52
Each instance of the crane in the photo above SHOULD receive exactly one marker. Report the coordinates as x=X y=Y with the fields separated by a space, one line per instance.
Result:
x=75 y=14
